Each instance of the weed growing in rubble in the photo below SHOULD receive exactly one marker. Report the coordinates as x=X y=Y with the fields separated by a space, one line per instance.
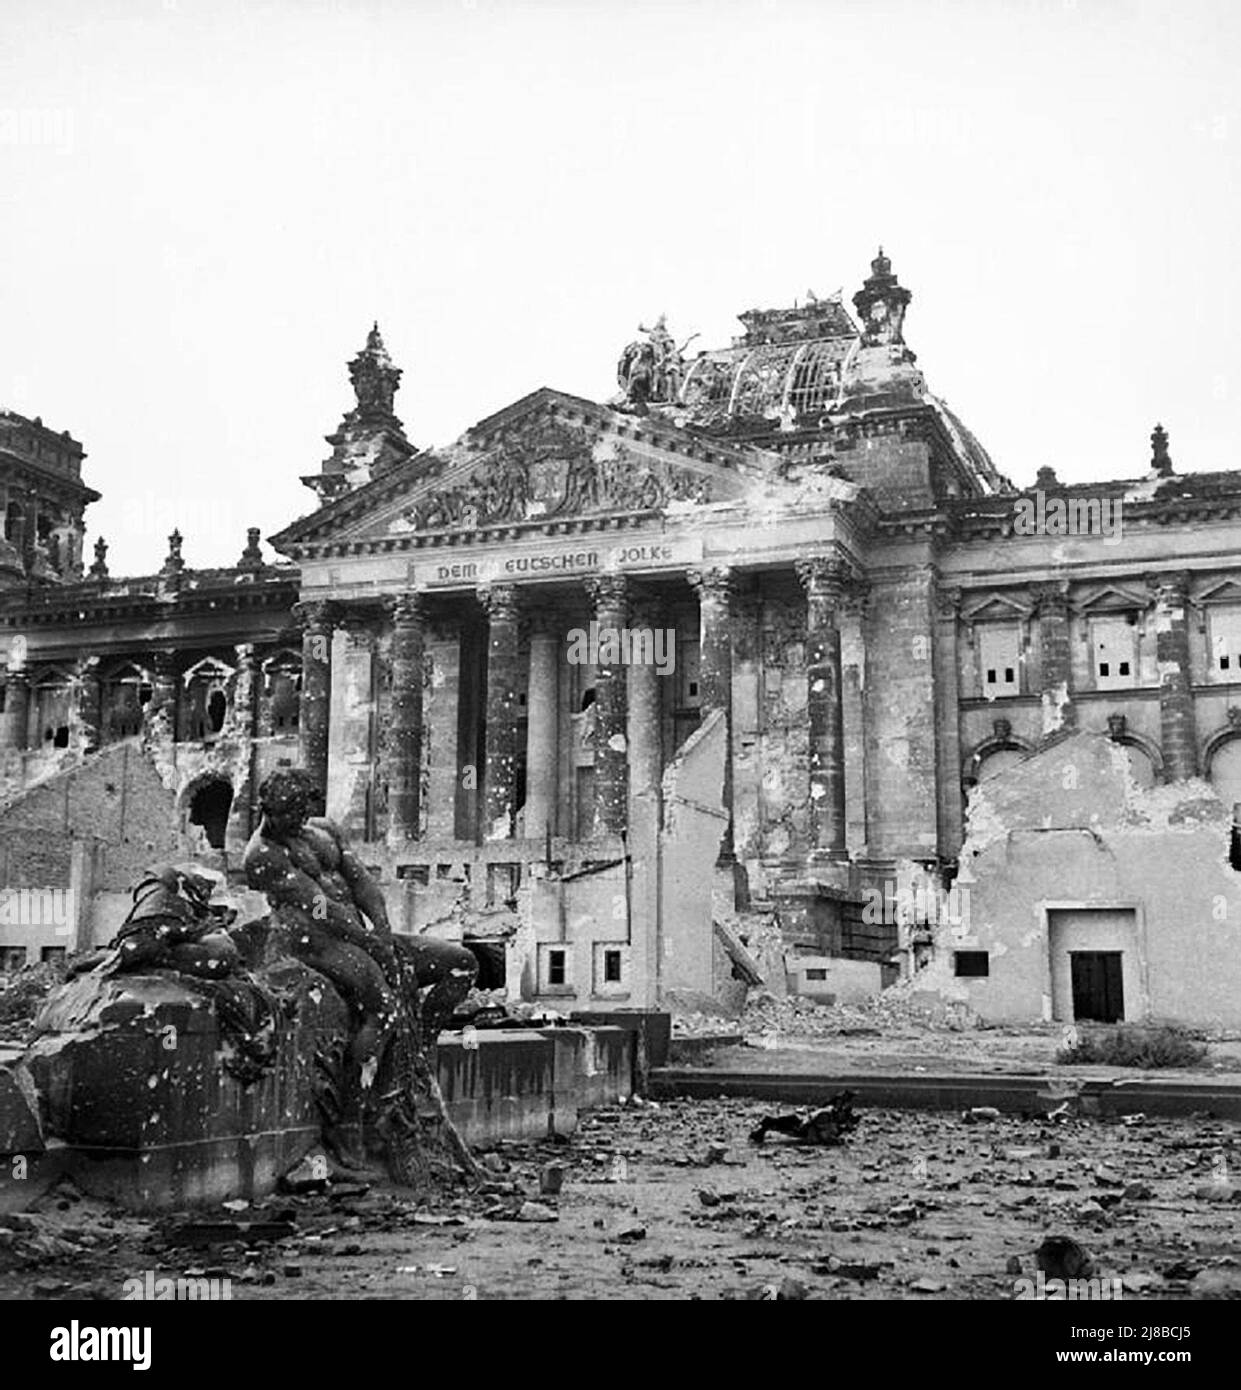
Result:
x=1130 y=1045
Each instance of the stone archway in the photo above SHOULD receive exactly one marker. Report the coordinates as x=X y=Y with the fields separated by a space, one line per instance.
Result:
x=1223 y=768
x=206 y=803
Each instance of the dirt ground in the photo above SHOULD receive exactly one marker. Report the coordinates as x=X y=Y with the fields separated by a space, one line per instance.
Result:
x=672 y=1201
x=980 y=1053
x=888 y=1034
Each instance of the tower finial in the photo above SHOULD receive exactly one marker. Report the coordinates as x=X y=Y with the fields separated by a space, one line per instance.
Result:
x=881 y=303
x=375 y=379
x=99 y=570
x=1161 y=460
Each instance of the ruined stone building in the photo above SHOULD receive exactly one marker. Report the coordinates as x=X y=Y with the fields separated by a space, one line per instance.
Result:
x=861 y=624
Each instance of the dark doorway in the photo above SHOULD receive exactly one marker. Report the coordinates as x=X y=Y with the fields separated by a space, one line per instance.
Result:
x=209 y=808
x=1098 y=989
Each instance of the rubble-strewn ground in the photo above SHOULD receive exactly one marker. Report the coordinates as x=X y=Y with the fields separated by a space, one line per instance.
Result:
x=671 y=1201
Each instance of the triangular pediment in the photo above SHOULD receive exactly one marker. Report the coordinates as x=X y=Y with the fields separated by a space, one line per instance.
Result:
x=548 y=458
x=1112 y=598
x=1224 y=591
x=994 y=608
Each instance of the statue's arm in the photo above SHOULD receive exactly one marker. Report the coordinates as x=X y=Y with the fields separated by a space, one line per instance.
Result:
x=366 y=892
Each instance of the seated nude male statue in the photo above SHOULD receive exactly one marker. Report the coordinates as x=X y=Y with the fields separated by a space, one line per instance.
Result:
x=339 y=921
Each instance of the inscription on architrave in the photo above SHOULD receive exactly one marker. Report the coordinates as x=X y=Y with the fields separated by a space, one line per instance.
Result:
x=558 y=562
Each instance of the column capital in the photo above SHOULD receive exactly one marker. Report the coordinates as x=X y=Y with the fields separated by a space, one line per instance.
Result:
x=500 y=602
x=163 y=660
x=1052 y=597
x=714 y=582
x=315 y=614
x=1168 y=586
x=824 y=577
x=246 y=656
x=15 y=676
x=405 y=608
x=947 y=603
x=608 y=590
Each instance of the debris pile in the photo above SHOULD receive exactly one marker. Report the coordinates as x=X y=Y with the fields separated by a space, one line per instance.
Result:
x=22 y=998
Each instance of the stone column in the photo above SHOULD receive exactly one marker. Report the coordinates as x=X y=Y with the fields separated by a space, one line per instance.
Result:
x=87 y=699
x=824 y=581
x=316 y=690
x=542 y=716
x=609 y=592
x=646 y=765
x=500 y=762
x=947 y=703
x=14 y=723
x=404 y=744
x=1178 y=737
x=243 y=718
x=1059 y=712
x=715 y=669
x=160 y=716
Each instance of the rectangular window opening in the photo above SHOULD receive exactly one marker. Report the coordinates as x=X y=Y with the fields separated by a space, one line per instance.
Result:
x=971 y=964
x=555 y=967
x=611 y=967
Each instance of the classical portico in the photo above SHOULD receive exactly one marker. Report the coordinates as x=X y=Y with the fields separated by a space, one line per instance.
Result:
x=511 y=742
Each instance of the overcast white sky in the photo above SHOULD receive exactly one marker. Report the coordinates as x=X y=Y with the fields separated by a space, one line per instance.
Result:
x=206 y=203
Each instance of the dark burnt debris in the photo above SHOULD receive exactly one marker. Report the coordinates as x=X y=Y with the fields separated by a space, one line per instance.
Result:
x=828 y=1126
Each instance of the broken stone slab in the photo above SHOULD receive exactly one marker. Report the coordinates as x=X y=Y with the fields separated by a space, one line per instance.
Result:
x=536 y=1211
x=20 y=1129
x=309 y=1174
x=197 y=1233
x=1217 y=1192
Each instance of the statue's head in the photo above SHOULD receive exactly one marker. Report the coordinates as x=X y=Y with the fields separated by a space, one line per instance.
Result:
x=316 y=802
x=284 y=801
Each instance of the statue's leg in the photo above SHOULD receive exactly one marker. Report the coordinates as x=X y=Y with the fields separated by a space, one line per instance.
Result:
x=446 y=971
x=361 y=984
x=212 y=956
